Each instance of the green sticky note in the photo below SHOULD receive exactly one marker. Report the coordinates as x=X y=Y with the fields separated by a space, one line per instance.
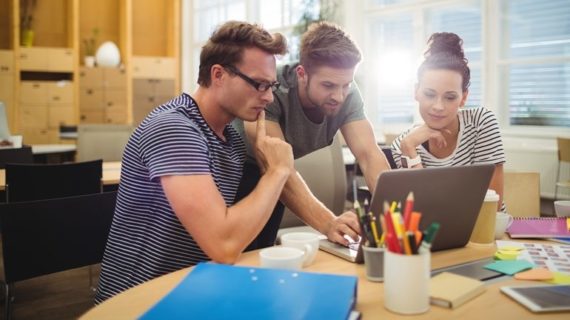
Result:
x=560 y=278
x=509 y=267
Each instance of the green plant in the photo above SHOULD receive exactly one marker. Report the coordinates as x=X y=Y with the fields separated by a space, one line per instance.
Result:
x=91 y=42
x=315 y=11
x=27 y=13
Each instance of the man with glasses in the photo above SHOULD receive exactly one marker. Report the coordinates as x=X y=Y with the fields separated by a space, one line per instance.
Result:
x=317 y=97
x=182 y=166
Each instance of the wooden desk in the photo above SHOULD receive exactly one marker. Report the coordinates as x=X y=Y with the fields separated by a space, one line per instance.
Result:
x=111 y=174
x=490 y=305
x=54 y=153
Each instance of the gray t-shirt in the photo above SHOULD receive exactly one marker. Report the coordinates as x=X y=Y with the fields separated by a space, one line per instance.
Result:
x=304 y=135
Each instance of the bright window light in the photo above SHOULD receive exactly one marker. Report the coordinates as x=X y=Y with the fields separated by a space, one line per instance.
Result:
x=395 y=69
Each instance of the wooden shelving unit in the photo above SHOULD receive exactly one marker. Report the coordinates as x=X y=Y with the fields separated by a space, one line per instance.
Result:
x=52 y=87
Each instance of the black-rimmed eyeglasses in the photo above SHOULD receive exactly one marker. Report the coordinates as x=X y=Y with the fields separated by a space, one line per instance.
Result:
x=259 y=86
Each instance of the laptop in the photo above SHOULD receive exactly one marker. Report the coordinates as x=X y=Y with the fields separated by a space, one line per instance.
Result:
x=451 y=196
x=352 y=253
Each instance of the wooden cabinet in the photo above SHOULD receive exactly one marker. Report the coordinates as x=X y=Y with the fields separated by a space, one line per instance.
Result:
x=103 y=95
x=150 y=93
x=49 y=86
x=44 y=106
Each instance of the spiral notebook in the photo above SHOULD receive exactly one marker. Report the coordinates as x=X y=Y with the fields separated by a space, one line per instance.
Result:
x=539 y=228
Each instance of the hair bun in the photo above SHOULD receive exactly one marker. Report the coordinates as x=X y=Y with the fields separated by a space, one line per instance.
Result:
x=445 y=43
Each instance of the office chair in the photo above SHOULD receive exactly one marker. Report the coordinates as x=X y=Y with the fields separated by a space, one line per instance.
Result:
x=28 y=182
x=48 y=236
x=102 y=141
x=16 y=155
x=563 y=156
x=521 y=193
x=325 y=175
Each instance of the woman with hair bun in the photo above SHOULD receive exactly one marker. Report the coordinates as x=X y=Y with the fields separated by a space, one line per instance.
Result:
x=451 y=135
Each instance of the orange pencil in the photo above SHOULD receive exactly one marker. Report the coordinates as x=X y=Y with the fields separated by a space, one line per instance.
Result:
x=408 y=210
x=414 y=224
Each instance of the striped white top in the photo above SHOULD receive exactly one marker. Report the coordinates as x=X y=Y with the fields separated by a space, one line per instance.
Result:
x=147 y=239
x=479 y=142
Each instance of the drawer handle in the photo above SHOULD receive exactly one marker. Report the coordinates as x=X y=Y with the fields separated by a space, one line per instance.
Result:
x=56 y=98
x=89 y=91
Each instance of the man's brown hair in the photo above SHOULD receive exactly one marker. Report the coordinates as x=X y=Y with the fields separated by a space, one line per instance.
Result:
x=227 y=43
x=327 y=44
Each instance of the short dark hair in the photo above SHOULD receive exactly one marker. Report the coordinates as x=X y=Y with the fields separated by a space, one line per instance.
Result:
x=227 y=43
x=327 y=44
x=445 y=51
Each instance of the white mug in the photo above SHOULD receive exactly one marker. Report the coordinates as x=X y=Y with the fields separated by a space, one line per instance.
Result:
x=306 y=241
x=281 y=258
x=504 y=220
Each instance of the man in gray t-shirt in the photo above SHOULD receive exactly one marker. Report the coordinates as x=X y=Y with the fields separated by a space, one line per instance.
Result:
x=317 y=97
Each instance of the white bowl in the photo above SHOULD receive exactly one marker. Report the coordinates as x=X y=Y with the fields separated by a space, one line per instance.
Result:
x=282 y=258
x=562 y=208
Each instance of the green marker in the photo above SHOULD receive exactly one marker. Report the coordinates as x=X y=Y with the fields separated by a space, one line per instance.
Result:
x=430 y=233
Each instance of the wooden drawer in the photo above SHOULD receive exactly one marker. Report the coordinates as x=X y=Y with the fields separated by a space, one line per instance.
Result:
x=114 y=78
x=92 y=116
x=34 y=58
x=164 y=87
x=115 y=97
x=162 y=99
x=91 y=98
x=53 y=136
x=33 y=116
x=7 y=89
x=60 y=92
x=35 y=136
x=6 y=62
x=144 y=87
x=165 y=68
x=60 y=59
x=60 y=116
x=34 y=92
x=154 y=67
x=116 y=117
x=143 y=67
x=90 y=77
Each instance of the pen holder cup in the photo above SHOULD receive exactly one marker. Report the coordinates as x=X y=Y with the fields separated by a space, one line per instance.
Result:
x=374 y=263
x=406 y=282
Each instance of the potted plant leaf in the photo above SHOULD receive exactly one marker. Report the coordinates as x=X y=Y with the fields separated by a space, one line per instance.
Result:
x=90 y=45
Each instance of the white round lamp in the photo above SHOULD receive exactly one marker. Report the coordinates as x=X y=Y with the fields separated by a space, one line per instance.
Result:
x=108 y=55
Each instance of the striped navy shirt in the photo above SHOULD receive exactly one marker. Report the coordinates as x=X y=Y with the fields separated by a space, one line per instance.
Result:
x=147 y=239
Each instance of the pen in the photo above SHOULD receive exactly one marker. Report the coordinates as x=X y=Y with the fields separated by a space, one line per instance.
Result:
x=430 y=233
x=374 y=228
x=412 y=242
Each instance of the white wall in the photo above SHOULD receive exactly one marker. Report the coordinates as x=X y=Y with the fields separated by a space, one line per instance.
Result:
x=536 y=154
